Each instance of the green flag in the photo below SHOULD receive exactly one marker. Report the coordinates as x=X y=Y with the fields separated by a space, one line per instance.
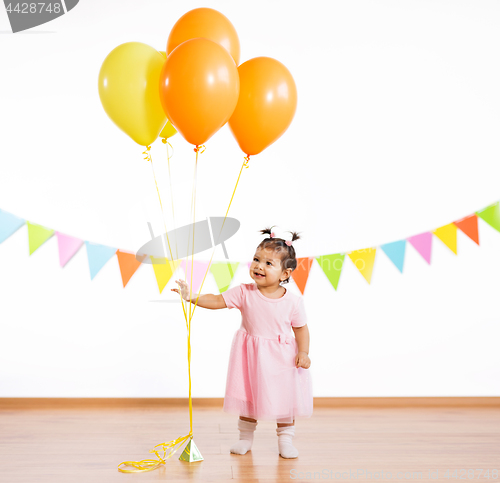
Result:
x=223 y=273
x=332 y=266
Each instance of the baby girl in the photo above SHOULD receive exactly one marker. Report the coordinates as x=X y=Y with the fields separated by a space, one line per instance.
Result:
x=267 y=377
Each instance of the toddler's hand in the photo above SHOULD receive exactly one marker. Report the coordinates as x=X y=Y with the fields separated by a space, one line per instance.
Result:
x=302 y=360
x=184 y=289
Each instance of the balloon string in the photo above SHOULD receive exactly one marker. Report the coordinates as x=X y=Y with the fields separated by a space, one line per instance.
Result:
x=149 y=158
x=167 y=143
x=149 y=465
x=172 y=265
x=245 y=164
x=191 y=289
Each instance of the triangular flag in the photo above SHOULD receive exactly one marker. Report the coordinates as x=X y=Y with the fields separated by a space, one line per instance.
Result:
x=396 y=253
x=469 y=226
x=332 y=266
x=191 y=453
x=164 y=269
x=223 y=273
x=491 y=215
x=301 y=273
x=199 y=271
x=448 y=235
x=68 y=246
x=37 y=235
x=97 y=256
x=364 y=260
x=128 y=264
x=9 y=224
x=423 y=244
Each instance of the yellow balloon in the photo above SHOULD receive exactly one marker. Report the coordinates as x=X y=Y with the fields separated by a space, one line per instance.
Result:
x=129 y=93
x=168 y=131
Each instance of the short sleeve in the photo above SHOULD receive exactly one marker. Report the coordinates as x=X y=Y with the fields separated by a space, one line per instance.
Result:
x=299 y=318
x=233 y=297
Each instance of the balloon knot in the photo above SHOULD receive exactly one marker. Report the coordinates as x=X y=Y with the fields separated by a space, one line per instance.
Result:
x=247 y=159
x=164 y=140
x=198 y=148
x=147 y=153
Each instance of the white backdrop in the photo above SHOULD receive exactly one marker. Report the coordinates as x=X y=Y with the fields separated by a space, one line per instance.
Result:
x=396 y=133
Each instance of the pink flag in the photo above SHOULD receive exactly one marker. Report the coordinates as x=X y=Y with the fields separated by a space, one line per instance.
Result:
x=422 y=243
x=199 y=270
x=68 y=246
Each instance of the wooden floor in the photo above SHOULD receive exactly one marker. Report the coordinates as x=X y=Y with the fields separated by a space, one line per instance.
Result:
x=73 y=444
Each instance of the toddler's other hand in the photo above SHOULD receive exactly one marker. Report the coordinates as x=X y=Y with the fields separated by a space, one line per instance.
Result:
x=302 y=360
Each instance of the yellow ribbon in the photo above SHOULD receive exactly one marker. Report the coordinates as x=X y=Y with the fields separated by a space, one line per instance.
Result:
x=148 y=154
x=150 y=464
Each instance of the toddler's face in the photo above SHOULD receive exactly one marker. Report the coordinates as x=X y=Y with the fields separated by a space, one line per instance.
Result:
x=266 y=268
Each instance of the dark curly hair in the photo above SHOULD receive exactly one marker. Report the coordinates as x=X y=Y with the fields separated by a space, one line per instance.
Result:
x=287 y=253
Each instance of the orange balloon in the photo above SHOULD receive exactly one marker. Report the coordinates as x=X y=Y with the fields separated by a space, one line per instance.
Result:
x=207 y=23
x=266 y=105
x=199 y=87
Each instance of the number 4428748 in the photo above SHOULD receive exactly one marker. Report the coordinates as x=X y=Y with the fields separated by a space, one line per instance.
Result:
x=19 y=7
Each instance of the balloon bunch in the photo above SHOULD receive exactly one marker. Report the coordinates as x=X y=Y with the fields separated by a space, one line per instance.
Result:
x=195 y=87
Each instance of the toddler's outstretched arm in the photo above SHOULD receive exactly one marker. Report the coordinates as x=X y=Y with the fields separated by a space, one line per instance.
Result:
x=207 y=301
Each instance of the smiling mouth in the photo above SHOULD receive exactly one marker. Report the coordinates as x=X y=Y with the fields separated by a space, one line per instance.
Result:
x=258 y=274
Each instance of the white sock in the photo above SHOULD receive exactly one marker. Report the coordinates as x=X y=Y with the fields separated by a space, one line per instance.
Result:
x=285 y=435
x=247 y=429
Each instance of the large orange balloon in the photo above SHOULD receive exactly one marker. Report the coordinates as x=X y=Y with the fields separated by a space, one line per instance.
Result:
x=199 y=87
x=207 y=23
x=266 y=105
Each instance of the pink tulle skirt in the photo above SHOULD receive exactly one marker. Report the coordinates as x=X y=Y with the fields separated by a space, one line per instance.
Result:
x=263 y=382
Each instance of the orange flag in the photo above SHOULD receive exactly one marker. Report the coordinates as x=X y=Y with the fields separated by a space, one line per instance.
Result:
x=301 y=273
x=128 y=265
x=469 y=226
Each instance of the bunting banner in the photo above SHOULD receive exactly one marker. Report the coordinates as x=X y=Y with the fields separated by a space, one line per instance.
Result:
x=223 y=272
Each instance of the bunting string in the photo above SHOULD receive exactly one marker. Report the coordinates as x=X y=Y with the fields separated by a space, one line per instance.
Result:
x=331 y=264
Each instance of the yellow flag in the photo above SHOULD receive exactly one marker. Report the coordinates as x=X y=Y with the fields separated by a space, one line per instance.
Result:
x=448 y=235
x=364 y=260
x=164 y=269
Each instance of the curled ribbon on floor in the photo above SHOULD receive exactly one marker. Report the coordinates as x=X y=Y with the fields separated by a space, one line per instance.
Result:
x=149 y=465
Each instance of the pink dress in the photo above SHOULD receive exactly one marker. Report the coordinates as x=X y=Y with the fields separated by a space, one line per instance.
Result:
x=262 y=380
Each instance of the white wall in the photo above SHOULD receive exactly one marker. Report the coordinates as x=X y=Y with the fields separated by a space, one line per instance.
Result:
x=396 y=133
